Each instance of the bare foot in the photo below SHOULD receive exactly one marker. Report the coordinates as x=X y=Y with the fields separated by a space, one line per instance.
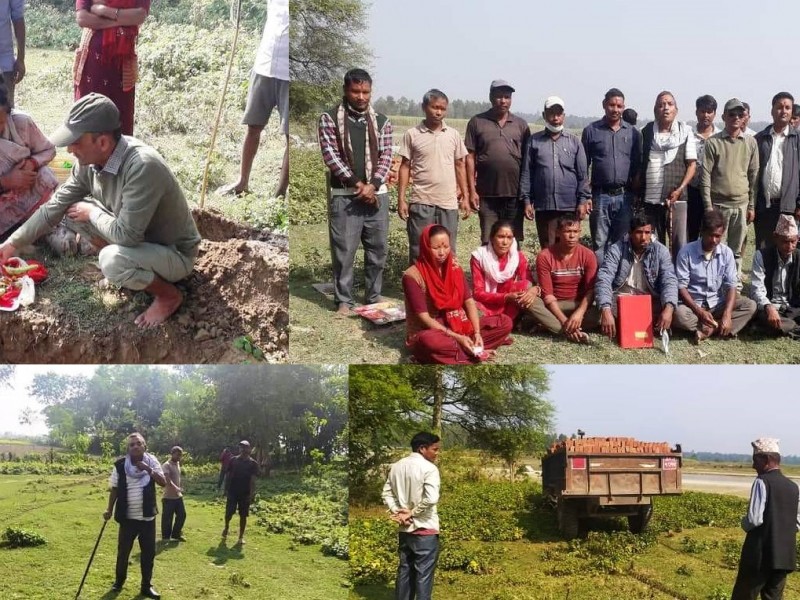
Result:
x=160 y=310
x=232 y=189
x=343 y=311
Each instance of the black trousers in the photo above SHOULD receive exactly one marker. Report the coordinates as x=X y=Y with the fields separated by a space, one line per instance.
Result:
x=172 y=508
x=769 y=584
x=129 y=530
x=418 y=557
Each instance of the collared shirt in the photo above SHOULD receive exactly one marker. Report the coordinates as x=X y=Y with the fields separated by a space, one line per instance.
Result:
x=554 y=174
x=613 y=156
x=135 y=493
x=706 y=280
x=636 y=283
x=655 y=170
x=337 y=164
x=755 y=509
x=172 y=472
x=272 y=58
x=433 y=156
x=773 y=170
x=498 y=153
x=11 y=11
x=730 y=170
x=758 y=287
x=700 y=145
x=142 y=198
x=414 y=484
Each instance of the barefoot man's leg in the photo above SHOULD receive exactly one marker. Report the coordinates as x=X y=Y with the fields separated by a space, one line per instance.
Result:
x=166 y=300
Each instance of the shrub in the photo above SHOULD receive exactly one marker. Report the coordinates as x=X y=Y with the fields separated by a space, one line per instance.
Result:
x=307 y=193
x=696 y=509
x=14 y=537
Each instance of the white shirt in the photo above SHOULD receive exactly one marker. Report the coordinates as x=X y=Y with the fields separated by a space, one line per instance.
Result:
x=272 y=59
x=414 y=483
x=136 y=492
x=773 y=172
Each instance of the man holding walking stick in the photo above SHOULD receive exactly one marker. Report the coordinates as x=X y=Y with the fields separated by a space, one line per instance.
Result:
x=132 y=500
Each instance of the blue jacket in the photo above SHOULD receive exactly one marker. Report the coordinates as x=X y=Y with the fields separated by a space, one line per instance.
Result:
x=617 y=266
x=554 y=175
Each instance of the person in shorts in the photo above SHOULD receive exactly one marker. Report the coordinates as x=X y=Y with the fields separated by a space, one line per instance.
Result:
x=269 y=89
x=240 y=488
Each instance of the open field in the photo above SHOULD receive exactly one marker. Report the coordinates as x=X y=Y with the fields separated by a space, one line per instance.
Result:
x=500 y=542
x=67 y=511
x=319 y=336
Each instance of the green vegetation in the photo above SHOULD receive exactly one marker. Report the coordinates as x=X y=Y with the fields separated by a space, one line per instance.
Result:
x=67 y=511
x=13 y=537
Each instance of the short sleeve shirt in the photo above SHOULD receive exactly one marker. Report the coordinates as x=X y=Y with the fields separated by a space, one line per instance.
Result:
x=432 y=155
x=240 y=470
x=272 y=59
x=498 y=153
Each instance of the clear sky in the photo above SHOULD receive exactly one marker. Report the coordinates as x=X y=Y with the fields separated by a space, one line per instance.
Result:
x=14 y=399
x=711 y=408
x=577 y=49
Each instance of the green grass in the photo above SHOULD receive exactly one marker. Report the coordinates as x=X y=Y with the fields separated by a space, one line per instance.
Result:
x=319 y=337
x=67 y=512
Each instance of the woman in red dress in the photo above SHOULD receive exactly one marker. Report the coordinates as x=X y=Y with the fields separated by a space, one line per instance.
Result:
x=105 y=61
x=442 y=322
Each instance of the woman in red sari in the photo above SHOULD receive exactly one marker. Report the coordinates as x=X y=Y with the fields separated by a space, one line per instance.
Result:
x=442 y=323
x=105 y=61
x=501 y=280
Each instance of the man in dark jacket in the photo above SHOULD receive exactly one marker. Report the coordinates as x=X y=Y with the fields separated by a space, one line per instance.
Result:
x=637 y=264
x=769 y=552
x=778 y=190
x=132 y=500
x=775 y=284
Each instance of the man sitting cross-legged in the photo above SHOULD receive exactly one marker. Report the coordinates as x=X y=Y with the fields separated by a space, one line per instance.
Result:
x=637 y=264
x=706 y=270
x=123 y=199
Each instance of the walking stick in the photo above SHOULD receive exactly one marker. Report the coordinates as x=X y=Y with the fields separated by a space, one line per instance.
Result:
x=91 y=558
x=221 y=103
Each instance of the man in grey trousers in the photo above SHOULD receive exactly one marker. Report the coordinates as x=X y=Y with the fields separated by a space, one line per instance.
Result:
x=356 y=145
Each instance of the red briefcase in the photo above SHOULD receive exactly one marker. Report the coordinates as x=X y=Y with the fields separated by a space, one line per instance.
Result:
x=635 y=321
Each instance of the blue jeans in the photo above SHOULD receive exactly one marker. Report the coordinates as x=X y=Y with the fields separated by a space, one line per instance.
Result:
x=609 y=221
x=418 y=556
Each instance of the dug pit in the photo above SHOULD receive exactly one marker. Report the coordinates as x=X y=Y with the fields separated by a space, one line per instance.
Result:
x=235 y=308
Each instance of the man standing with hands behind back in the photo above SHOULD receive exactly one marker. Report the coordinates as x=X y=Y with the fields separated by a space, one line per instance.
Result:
x=495 y=140
x=132 y=499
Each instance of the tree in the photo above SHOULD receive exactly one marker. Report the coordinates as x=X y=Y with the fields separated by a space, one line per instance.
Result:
x=324 y=43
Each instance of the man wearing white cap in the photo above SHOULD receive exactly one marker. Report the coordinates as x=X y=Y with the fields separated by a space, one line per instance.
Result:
x=240 y=488
x=769 y=552
x=554 y=179
x=124 y=201
x=775 y=284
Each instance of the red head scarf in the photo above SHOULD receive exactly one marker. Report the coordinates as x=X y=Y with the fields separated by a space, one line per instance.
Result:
x=446 y=291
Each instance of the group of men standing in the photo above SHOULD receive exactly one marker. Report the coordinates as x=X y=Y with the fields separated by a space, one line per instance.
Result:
x=612 y=173
x=132 y=502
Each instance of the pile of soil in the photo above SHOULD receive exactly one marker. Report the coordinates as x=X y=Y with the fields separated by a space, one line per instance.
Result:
x=237 y=289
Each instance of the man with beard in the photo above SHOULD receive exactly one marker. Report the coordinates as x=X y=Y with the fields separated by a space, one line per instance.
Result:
x=356 y=145
x=132 y=499
x=495 y=140
x=637 y=265
x=769 y=552
x=613 y=149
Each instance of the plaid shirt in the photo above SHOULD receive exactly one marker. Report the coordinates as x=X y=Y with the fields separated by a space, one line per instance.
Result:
x=333 y=159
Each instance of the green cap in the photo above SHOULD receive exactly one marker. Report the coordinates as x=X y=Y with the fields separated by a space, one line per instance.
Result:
x=733 y=104
x=94 y=113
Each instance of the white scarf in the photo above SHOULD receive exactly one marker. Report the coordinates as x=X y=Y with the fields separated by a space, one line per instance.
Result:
x=669 y=146
x=490 y=265
x=134 y=475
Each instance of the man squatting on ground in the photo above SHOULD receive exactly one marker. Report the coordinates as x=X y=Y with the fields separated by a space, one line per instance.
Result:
x=769 y=552
x=240 y=488
x=132 y=499
x=356 y=145
x=123 y=199
x=411 y=492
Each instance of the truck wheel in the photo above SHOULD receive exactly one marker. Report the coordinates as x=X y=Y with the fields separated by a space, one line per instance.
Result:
x=568 y=522
x=638 y=523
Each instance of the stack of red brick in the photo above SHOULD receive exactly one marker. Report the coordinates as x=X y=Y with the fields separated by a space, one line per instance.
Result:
x=609 y=445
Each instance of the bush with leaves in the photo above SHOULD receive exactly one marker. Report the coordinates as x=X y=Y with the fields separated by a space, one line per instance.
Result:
x=14 y=537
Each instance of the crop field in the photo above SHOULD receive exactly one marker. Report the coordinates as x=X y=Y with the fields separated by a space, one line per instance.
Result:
x=294 y=535
x=500 y=542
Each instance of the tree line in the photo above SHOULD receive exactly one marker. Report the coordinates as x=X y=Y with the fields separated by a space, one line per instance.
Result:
x=290 y=413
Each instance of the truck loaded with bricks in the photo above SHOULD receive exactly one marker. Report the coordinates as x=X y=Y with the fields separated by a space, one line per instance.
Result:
x=595 y=477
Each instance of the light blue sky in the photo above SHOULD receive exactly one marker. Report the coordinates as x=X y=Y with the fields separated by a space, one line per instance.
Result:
x=712 y=408
x=577 y=49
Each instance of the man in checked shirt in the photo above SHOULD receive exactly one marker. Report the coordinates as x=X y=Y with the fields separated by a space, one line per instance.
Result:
x=356 y=144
